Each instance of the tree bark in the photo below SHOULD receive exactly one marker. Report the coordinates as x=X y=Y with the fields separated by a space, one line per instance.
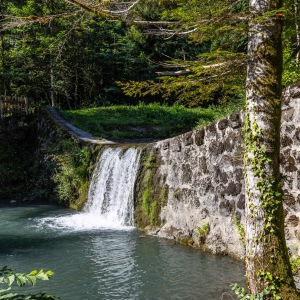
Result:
x=267 y=261
x=297 y=27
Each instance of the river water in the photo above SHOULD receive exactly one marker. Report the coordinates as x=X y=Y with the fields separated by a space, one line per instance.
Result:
x=98 y=254
x=99 y=263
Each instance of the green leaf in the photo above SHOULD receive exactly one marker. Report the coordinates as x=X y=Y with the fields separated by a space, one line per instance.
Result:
x=10 y=279
x=49 y=273
x=5 y=290
x=31 y=279
x=33 y=273
x=41 y=275
x=8 y=296
x=21 y=280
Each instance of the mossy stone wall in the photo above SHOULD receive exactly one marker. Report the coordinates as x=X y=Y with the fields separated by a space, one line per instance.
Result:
x=197 y=178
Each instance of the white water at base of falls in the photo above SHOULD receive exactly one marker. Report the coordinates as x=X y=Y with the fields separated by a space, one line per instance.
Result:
x=110 y=197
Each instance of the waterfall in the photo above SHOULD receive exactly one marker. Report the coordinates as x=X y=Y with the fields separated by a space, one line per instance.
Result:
x=110 y=196
x=111 y=190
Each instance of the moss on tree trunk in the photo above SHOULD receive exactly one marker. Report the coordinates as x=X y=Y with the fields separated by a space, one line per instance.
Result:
x=267 y=261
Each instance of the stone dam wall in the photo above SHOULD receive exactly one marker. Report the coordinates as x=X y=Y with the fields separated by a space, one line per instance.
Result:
x=204 y=175
x=202 y=172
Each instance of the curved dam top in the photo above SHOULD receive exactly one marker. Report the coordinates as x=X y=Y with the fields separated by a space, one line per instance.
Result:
x=86 y=136
x=74 y=131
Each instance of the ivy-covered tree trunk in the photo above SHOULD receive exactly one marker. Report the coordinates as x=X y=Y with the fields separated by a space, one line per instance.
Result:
x=297 y=27
x=267 y=261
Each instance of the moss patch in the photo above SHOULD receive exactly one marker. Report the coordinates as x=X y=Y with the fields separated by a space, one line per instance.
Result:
x=152 y=194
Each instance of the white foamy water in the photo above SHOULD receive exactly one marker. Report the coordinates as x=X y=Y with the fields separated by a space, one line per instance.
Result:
x=110 y=196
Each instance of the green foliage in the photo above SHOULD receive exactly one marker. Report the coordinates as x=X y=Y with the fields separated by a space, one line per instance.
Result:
x=87 y=55
x=151 y=196
x=8 y=277
x=203 y=230
x=240 y=228
x=291 y=72
x=146 y=201
x=148 y=164
x=71 y=177
x=271 y=291
x=84 y=54
x=295 y=264
x=208 y=81
x=215 y=70
x=242 y=295
x=150 y=204
x=144 y=121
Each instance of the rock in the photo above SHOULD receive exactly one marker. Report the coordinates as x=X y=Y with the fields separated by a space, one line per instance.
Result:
x=166 y=145
x=225 y=208
x=199 y=137
x=233 y=189
x=289 y=199
x=286 y=141
x=235 y=121
x=297 y=134
x=176 y=146
x=202 y=165
x=290 y=164
x=223 y=124
x=186 y=173
x=293 y=221
x=241 y=202
x=216 y=148
x=187 y=139
x=287 y=114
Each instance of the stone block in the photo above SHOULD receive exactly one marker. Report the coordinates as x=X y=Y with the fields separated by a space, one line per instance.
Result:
x=289 y=200
x=225 y=208
x=239 y=175
x=289 y=128
x=199 y=137
x=223 y=124
x=235 y=121
x=166 y=145
x=176 y=145
x=286 y=141
x=241 y=202
x=202 y=165
x=216 y=148
x=186 y=173
x=233 y=189
x=290 y=164
x=297 y=135
x=211 y=128
x=288 y=114
x=293 y=221
x=187 y=139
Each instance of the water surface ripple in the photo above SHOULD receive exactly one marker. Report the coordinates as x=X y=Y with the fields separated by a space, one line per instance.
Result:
x=99 y=263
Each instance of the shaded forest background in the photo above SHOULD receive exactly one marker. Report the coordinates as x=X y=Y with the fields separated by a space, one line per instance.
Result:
x=54 y=53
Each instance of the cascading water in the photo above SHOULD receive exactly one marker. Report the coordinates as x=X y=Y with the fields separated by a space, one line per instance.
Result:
x=110 y=197
x=111 y=190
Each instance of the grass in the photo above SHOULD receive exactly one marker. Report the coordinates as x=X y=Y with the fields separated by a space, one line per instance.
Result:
x=143 y=121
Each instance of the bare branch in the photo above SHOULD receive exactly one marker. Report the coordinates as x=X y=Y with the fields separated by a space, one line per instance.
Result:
x=174 y=73
x=211 y=67
x=9 y=21
x=107 y=8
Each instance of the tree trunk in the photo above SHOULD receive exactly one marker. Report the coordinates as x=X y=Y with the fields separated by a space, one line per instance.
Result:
x=297 y=27
x=267 y=261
